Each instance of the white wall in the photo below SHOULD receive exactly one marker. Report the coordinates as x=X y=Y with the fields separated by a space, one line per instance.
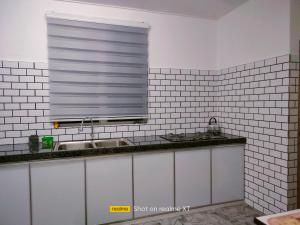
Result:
x=175 y=41
x=295 y=26
x=258 y=29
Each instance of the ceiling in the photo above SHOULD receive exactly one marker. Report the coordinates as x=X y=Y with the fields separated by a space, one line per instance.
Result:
x=208 y=9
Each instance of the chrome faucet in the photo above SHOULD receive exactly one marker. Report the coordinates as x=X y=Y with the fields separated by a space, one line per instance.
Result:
x=92 y=129
x=81 y=126
x=92 y=126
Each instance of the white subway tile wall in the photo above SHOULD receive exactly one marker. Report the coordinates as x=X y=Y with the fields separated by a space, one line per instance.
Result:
x=179 y=101
x=258 y=100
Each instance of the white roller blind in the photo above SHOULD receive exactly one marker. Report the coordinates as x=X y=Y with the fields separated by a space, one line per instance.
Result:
x=97 y=70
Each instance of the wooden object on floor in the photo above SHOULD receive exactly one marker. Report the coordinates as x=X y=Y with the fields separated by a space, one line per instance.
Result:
x=285 y=218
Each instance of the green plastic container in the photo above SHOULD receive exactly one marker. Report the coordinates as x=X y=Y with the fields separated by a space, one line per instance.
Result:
x=47 y=142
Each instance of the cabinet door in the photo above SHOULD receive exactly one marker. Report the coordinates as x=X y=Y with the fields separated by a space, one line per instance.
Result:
x=109 y=182
x=58 y=193
x=193 y=178
x=14 y=195
x=227 y=173
x=153 y=181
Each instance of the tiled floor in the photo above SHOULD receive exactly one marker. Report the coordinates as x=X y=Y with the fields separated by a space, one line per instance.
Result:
x=236 y=213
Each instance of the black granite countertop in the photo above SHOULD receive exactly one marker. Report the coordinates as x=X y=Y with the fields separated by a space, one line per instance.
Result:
x=21 y=153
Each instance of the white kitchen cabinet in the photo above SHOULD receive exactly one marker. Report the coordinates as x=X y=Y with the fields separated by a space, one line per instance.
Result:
x=109 y=182
x=58 y=193
x=14 y=195
x=153 y=181
x=227 y=173
x=192 y=177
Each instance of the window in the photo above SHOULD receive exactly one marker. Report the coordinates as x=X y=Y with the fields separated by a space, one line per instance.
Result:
x=97 y=69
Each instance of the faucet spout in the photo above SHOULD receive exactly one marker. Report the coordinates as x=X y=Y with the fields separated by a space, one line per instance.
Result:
x=92 y=129
x=81 y=126
x=92 y=126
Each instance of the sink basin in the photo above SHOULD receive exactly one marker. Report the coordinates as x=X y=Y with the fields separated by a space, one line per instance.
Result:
x=73 y=145
x=111 y=143
x=81 y=145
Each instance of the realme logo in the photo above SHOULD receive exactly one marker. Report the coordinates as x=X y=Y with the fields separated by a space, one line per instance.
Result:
x=119 y=208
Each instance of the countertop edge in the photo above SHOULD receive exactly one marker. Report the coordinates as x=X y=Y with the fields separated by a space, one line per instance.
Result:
x=161 y=147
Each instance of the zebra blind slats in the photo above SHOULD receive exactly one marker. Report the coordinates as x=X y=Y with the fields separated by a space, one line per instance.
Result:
x=101 y=35
x=96 y=89
x=97 y=70
x=70 y=65
x=98 y=112
x=104 y=57
x=97 y=26
x=93 y=45
x=91 y=99
x=61 y=77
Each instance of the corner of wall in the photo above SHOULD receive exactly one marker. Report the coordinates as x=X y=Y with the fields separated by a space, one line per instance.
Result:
x=294 y=26
x=258 y=29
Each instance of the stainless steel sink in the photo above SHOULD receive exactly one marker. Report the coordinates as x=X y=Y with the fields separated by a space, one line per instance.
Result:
x=81 y=145
x=111 y=143
x=73 y=145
